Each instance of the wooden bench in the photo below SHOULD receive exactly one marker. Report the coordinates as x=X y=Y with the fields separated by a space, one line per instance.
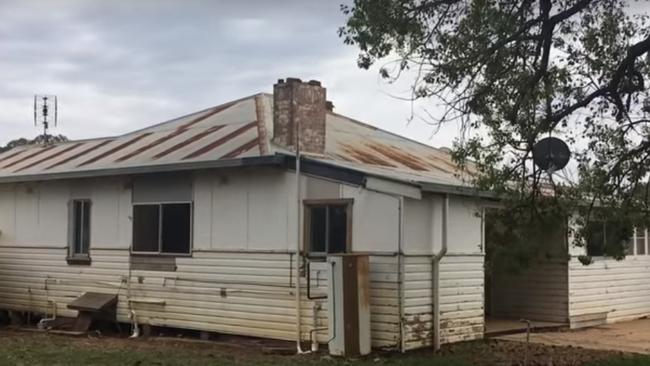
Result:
x=93 y=305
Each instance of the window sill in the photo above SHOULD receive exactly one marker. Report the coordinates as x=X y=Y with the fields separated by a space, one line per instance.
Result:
x=81 y=261
x=153 y=262
x=157 y=254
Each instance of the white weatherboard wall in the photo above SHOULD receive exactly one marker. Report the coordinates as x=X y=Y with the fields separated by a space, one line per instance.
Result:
x=461 y=271
x=608 y=290
x=239 y=279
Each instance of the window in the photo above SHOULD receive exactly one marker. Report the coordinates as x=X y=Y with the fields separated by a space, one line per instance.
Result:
x=328 y=226
x=596 y=238
x=640 y=235
x=79 y=228
x=607 y=238
x=164 y=228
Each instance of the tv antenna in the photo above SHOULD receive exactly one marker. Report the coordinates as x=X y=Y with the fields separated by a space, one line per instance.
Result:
x=42 y=111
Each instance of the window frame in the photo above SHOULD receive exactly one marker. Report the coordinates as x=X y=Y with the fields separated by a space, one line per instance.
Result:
x=74 y=257
x=645 y=244
x=160 y=229
x=632 y=241
x=602 y=223
x=308 y=204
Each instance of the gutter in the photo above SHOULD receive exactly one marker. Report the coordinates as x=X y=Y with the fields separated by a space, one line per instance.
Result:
x=435 y=274
x=458 y=190
x=268 y=160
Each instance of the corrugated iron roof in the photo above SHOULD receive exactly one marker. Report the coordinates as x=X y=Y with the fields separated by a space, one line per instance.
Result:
x=238 y=129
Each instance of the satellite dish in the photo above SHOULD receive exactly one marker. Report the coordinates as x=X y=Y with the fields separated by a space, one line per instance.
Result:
x=551 y=154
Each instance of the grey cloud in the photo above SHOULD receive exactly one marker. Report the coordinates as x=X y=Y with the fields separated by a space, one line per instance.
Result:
x=122 y=65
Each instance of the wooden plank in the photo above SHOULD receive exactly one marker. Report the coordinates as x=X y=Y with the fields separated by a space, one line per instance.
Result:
x=93 y=302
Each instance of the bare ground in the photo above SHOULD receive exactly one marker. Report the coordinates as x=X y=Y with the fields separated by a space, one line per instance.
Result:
x=28 y=348
x=632 y=336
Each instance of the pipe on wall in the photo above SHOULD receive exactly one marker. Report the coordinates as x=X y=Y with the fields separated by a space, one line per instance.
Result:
x=296 y=133
x=435 y=274
x=400 y=273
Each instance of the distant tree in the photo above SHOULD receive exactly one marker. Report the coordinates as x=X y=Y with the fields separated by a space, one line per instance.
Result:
x=511 y=72
x=37 y=140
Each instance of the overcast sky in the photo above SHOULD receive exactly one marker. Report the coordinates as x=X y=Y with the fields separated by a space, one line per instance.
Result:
x=118 y=66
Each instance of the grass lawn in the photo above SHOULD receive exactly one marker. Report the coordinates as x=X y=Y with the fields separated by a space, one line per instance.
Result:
x=23 y=348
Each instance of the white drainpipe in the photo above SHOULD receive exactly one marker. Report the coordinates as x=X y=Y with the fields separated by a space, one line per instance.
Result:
x=296 y=133
x=42 y=324
x=435 y=274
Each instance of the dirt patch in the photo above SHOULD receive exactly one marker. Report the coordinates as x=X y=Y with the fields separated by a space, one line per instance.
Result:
x=28 y=348
x=497 y=352
x=632 y=336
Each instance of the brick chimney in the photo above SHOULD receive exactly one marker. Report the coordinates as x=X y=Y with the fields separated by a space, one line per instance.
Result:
x=302 y=104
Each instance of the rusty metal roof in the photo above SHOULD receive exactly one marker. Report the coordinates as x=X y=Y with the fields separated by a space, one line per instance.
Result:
x=235 y=130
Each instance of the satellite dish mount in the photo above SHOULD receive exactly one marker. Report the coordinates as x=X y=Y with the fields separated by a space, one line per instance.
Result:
x=43 y=113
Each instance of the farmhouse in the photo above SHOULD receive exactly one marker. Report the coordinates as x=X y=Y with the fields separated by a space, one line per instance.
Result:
x=196 y=223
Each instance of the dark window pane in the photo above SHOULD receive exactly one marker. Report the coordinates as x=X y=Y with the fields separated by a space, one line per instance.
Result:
x=77 y=209
x=146 y=220
x=338 y=229
x=618 y=238
x=85 y=232
x=595 y=238
x=176 y=227
x=317 y=229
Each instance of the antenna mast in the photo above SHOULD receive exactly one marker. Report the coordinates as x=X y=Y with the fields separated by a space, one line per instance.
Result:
x=42 y=106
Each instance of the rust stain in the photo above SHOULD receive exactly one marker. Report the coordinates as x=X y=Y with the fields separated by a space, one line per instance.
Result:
x=39 y=152
x=70 y=148
x=364 y=280
x=261 y=128
x=399 y=156
x=418 y=328
x=14 y=154
x=178 y=131
x=442 y=164
x=214 y=111
x=221 y=141
x=344 y=158
x=155 y=143
x=242 y=149
x=115 y=149
x=364 y=156
x=79 y=154
x=190 y=140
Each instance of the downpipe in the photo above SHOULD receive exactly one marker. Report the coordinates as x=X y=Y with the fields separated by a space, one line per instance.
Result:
x=435 y=275
x=299 y=349
x=134 y=325
x=43 y=322
x=312 y=332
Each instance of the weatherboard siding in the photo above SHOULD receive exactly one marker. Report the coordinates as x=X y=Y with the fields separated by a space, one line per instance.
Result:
x=239 y=293
x=461 y=299
x=608 y=291
x=539 y=293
